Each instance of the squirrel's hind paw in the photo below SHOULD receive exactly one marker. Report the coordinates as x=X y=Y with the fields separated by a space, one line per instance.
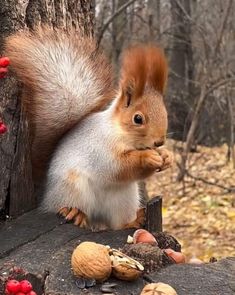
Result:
x=74 y=215
x=139 y=221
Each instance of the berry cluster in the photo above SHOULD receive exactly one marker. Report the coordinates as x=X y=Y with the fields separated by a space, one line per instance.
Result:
x=14 y=287
x=4 y=63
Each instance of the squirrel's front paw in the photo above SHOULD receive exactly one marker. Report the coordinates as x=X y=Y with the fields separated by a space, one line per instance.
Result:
x=153 y=160
x=167 y=157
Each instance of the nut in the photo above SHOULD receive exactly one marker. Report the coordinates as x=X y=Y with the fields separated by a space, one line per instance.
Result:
x=124 y=267
x=143 y=236
x=195 y=261
x=129 y=239
x=92 y=261
x=178 y=257
x=158 y=288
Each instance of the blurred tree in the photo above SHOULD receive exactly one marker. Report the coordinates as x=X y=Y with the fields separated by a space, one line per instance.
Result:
x=181 y=98
x=154 y=19
x=16 y=186
x=119 y=30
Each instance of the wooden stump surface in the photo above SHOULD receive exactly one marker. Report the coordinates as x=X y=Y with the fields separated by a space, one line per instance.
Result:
x=41 y=245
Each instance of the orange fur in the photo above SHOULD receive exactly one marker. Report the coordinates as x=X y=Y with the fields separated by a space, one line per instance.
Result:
x=144 y=65
x=138 y=222
x=136 y=165
x=142 y=83
x=52 y=107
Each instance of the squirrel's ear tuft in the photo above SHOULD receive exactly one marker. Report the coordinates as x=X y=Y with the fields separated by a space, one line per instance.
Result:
x=133 y=71
x=143 y=65
x=157 y=68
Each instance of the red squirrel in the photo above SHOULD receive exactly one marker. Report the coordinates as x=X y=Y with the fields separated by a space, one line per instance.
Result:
x=93 y=140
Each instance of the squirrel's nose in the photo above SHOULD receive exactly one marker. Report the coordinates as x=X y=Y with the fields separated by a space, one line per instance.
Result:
x=159 y=143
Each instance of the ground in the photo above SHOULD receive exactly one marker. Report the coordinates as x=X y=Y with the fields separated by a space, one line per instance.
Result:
x=200 y=216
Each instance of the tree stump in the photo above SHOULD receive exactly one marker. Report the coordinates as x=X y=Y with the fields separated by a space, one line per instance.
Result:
x=16 y=185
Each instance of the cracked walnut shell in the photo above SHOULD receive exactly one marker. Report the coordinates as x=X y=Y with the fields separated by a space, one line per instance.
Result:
x=124 y=267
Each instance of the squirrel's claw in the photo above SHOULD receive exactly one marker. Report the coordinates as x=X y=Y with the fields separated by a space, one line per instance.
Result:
x=81 y=220
x=63 y=212
x=75 y=215
x=72 y=214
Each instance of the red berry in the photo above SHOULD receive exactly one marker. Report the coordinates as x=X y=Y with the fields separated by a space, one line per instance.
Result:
x=7 y=292
x=3 y=128
x=20 y=293
x=4 y=62
x=3 y=72
x=13 y=286
x=31 y=293
x=25 y=286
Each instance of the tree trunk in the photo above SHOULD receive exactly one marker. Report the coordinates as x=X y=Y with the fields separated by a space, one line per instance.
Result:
x=180 y=97
x=154 y=19
x=16 y=186
x=119 y=30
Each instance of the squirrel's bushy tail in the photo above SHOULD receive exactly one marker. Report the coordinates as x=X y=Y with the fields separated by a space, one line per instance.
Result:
x=65 y=78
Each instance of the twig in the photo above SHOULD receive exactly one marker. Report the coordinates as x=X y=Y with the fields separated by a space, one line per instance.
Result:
x=219 y=84
x=223 y=25
x=228 y=189
x=231 y=115
x=111 y=18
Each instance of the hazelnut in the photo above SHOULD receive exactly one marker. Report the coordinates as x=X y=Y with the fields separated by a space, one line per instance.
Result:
x=143 y=236
x=178 y=257
x=195 y=261
x=92 y=261
x=124 y=267
x=158 y=288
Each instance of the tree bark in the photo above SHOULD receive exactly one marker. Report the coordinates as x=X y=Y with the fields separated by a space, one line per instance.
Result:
x=180 y=97
x=119 y=30
x=154 y=19
x=16 y=185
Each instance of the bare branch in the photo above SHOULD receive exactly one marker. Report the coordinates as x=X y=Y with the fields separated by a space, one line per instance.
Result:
x=228 y=189
x=218 y=85
x=111 y=18
x=223 y=25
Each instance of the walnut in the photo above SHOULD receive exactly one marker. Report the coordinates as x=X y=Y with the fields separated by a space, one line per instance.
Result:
x=92 y=261
x=158 y=288
x=124 y=267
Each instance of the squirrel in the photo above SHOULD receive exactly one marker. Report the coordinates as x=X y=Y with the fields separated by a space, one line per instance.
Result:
x=95 y=140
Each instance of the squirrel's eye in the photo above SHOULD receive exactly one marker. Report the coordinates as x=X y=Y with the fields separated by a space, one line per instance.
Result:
x=138 y=119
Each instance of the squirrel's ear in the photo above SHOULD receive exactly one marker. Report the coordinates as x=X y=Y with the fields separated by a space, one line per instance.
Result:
x=127 y=94
x=133 y=74
x=157 y=68
x=142 y=66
